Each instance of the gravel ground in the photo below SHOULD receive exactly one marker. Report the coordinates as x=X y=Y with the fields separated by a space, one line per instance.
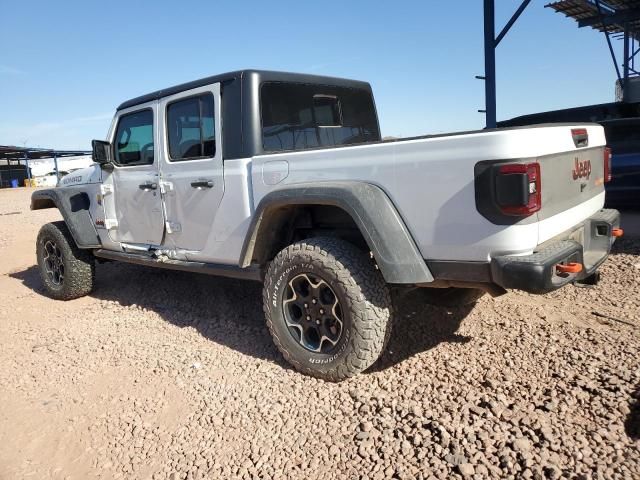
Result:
x=166 y=375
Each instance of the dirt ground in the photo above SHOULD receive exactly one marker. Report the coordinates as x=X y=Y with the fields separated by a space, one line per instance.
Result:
x=167 y=375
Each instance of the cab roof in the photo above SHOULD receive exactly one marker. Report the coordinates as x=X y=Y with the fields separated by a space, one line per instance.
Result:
x=263 y=75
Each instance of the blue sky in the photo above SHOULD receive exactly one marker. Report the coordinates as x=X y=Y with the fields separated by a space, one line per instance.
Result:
x=65 y=66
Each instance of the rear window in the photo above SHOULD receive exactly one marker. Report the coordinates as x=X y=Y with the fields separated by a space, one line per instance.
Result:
x=298 y=116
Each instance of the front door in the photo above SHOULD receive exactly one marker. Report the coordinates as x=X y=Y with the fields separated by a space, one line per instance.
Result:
x=191 y=168
x=137 y=204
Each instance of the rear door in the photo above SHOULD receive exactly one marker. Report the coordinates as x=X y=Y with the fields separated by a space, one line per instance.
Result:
x=137 y=205
x=191 y=167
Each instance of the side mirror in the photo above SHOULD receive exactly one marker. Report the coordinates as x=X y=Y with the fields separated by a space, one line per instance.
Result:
x=101 y=151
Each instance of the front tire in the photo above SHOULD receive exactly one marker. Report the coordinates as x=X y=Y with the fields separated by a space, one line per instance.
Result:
x=327 y=307
x=67 y=272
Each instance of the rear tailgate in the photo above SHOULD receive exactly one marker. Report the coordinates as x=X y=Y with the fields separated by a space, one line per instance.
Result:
x=572 y=182
x=575 y=233
x=558 y=188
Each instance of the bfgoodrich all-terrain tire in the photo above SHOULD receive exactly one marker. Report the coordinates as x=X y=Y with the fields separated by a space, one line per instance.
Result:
x=66 y=271
x=327 y=307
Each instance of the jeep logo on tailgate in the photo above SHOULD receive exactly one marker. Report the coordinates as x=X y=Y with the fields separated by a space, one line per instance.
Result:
x=581 y=169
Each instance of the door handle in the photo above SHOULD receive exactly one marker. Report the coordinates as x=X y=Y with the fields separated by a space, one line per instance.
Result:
x=148 y=186
x=202 y=184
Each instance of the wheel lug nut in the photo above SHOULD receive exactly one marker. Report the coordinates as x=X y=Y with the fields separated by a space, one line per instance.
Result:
x=322 y=311
x=308 y=317
x=317 y=321
x=306 y=305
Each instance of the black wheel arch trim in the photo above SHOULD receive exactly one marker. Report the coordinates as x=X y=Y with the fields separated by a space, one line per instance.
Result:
x=373 y=212
x=73 y=203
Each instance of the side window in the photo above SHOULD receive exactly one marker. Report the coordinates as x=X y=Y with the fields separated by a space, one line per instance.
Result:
x=134 y=139
x=190 y=128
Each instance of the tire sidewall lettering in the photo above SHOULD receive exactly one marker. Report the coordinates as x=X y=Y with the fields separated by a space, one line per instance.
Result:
x=332 y=358
x=283 y=280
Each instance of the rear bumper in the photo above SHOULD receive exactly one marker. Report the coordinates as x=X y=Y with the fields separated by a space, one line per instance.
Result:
x=588 y=245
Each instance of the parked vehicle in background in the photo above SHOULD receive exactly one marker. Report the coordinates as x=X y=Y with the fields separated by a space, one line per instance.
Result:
x=622 y=131
x=623 y=137
x=50 y=179
x=12 y=173
x=283 y=178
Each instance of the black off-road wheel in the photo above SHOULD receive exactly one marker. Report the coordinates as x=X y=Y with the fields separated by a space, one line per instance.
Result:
x=327 y=307
x=66 y=271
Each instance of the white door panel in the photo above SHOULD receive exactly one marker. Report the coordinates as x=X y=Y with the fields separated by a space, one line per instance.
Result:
x=138 y=211
x=191 y=169
x=137 y=204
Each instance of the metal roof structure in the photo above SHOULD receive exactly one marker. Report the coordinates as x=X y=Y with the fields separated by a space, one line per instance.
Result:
x=611 y=16
x=19 y=156
x=10 y=152
x=614 y=18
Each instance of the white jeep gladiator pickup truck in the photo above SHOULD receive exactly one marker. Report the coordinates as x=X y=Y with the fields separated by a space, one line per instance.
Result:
x=283 y=178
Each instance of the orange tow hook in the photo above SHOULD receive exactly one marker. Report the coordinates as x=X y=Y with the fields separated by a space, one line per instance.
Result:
x=617 y=232
x=572 y=267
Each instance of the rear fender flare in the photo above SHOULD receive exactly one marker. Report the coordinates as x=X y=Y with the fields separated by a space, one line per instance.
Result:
x=371 y=209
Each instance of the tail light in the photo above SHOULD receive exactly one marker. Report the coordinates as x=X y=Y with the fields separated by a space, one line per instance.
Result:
x=518 y=189
x=607 y=164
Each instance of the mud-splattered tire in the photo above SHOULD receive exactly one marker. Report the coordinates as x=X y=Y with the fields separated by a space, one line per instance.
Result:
x=66 y=271
x=351 y=332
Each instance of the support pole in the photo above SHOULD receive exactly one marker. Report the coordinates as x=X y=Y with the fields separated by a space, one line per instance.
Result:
x=490 y=63
x=512 y=20
x=55 y=164
x=26 y=162
x=625 y=65
x=606 y=34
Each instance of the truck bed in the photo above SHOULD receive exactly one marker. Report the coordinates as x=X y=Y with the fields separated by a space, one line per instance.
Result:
x=431 y=181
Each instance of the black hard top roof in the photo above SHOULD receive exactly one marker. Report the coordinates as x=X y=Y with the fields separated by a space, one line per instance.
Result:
x=263 y=75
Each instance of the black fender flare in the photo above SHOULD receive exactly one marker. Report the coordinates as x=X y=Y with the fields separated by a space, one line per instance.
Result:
x=373 y=212
x=73 y=204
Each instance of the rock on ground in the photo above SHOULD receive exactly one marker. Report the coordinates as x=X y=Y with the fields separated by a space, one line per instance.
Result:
x=169 y=375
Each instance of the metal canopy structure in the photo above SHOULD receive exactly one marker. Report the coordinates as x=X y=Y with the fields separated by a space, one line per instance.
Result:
x=614 y=18
x=609 y=16
x=8 y=152
x=12 y=155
